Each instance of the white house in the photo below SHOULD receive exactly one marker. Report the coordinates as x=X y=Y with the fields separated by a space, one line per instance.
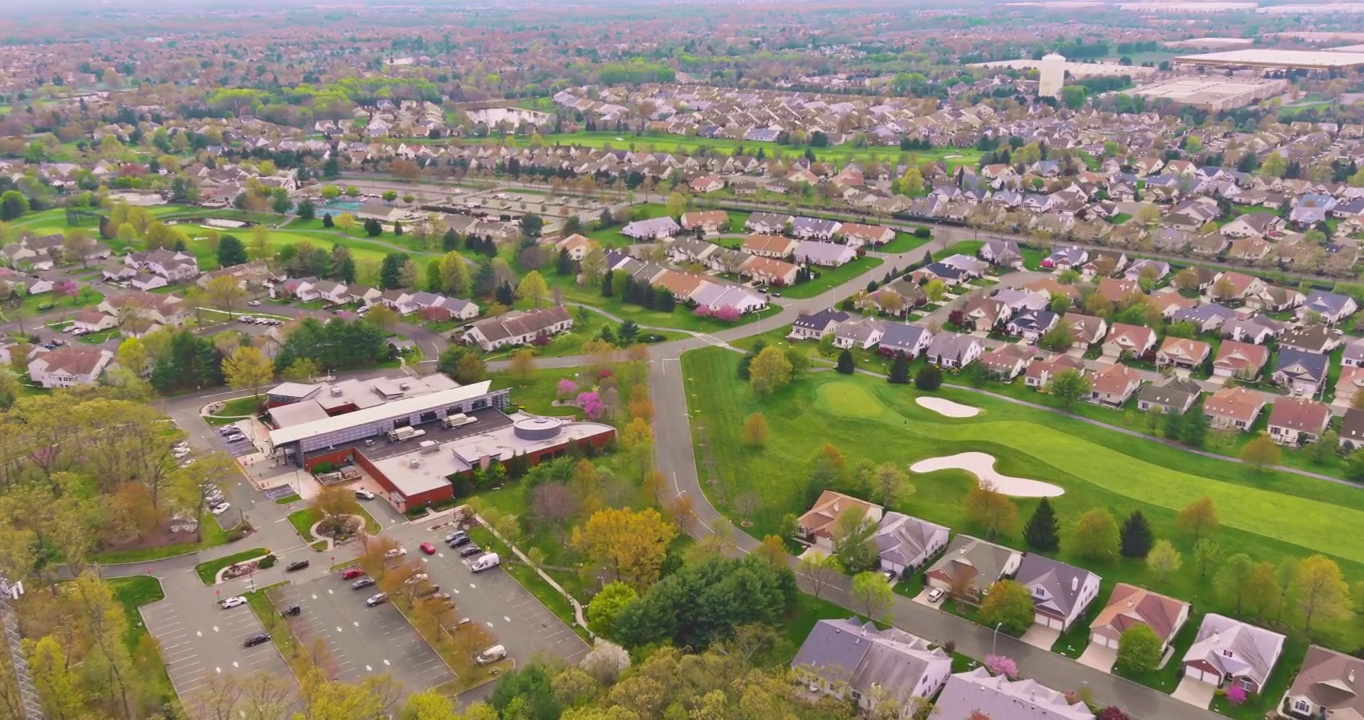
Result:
x=518 y=328
x=69 y=366
x=1060 y=592
x=905 y=543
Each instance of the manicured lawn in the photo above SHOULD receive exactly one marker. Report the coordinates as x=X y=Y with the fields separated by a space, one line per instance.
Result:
x=903 y=242
x=571 y=342
x=679 y=319
x=239 y=407
x=968 y=248
x=208 y=571
x=870 y=419
x=303 y=521
x=213 y=535
x=831 y=277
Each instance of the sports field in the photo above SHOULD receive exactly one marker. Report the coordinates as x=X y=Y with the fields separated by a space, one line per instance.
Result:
x=1270 y=516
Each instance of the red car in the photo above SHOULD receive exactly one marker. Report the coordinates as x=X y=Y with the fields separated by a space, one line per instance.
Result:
x=351 y=573
x=428 y=548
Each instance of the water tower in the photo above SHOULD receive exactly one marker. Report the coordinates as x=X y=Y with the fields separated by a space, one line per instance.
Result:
x=1051 y=76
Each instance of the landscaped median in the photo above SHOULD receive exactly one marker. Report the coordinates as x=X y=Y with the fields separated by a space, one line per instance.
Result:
x=208 y=571
x=306 y=519
x=295 y=655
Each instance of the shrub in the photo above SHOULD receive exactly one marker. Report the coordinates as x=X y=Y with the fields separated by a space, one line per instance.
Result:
x=266 y=562
x=922 y=232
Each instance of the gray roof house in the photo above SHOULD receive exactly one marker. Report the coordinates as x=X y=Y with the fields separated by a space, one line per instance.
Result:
x=976 y=691
x=1329 y=685
x=1175 y=395
x=651 y=229
x=906 y=338
x=954 y=350
x=973 y=566
x=905 y=543
x=1060 y=592
x=1003 y=253
x=1353 y=355
x=814 y=326
x=762 y=222
x=814 y=228
x=1230 y=650
x=846 y=659
x=1332 y=307
x=1301 y=372
x=826 y=254
x=1311 y=338
x=1207 y=318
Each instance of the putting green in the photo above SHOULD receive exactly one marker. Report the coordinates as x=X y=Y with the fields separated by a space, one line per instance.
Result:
x=849 y=400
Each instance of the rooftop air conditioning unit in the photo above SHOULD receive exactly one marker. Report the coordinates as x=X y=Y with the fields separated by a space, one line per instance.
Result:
x=404 y=386
x=336 y=391
x=415 y=462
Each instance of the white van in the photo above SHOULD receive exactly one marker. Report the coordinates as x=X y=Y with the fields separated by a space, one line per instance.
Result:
x=485 y=562
x=491 y=655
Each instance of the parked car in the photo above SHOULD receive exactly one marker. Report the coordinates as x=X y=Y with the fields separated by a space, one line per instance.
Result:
x=376 y=599
x=253 y=303
x=490 y=655
x=428 y=548
x=935 y=595
x=292 y=611
x=399 y=551
x=460 y=623
x=416 y=579
x=364 y=494
x=459 y=540
x=486 y=562
x=296 y=565
x=362 y=583
x=456 y=534
x=428 y=591
x=220 y=509
x=256 y=639
x=469 y=550
x=234 y=601
x=351 y=573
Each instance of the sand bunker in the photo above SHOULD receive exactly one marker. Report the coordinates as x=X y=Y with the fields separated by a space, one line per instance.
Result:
x=947 y=407
x=982 y=465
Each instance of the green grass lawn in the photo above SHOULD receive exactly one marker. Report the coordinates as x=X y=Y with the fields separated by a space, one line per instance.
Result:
x=132 y=593
x=968 y=248
x=571 y=342
x=679 y=319
x=239 y=407
x=213 y=535
x=903 y=242
x=870 y=419
x=831 y=277
x=208 y=571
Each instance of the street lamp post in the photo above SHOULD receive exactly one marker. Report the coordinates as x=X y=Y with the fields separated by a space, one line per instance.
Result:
x=995 y=640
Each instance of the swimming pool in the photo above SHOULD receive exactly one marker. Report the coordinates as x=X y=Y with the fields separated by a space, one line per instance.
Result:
x=340 y=206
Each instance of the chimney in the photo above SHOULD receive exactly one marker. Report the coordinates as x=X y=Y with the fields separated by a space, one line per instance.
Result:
x=1074 y=584
x=1351 y=677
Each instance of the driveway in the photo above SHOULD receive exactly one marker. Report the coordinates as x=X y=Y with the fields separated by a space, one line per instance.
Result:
x=1040 y=637
x=1099 y=657
x=922 y=598
x=1194 y=692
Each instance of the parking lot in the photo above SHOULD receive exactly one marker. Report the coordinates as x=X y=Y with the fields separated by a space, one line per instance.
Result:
x=361 y=641
x=209 y=644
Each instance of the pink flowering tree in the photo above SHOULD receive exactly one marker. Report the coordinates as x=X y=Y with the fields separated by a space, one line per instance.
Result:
x=1236 y=695
x=591 y=405
x=702 y=311
x=727 y=313
x=567 y=389
x=1001 y=665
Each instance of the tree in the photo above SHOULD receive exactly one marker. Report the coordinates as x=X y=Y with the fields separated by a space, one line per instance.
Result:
x=335 y=504
x=231 y=251
x=1042 y=532
x=300 y=370
x=531 y=225
x=632 y=544
x=1321 y=592
x=755 y=430
x=382 y=316
x=1261 y=453
x=1008 y=605
x=845 y=362
x=928 y=379
x=407 y=275
x=1068 y=386
x=223 y=293
x=820 y=569
x=1096 y=536
x=13 y=205
x=1206 y=553
x=852 y=538
x=1233 y=578
x=1199 y=517
x=132 y=354
x=773 y=550
x=1139 y=650
x=248 y=369
x=1261 y=590
x=890 y=485
x=607 y=605
x=769 y=371
x=991 y=510
x=391 y=269
x=1163 y=559
x=1058 y=339
x=899 y=370
x=345 y=222
x=1136 y=536
x=872 y=594
x=533 y=288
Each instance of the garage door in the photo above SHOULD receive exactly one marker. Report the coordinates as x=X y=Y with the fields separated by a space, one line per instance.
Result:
x=1047 y=621
x=1107 y=642
x=1207 y=677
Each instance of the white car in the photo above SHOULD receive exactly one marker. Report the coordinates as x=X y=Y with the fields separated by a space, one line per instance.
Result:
x=234 y=601
x=364 y=494
x=395 y=552
x=253 y=303
x=220 y=509
x=416 y=579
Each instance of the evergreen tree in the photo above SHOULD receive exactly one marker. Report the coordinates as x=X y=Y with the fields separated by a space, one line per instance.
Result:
x=564 y=265
x=930 y=378
x=450 y=241
x=1137 y=538
x=1174 y=425
x=747 y=359
x=845 y=362
x=1043 y=531
x=607 y=283
x=485 y=280
x=928 y=259
x=327 y=221
x=1195 y=430
x=397 y=228
x=505 y=294
x=899 y=370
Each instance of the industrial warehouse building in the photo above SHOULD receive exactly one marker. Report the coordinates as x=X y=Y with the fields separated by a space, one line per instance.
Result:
x=1213 y=94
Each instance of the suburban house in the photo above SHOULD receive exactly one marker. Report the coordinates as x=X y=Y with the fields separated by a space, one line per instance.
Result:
x=1275 y=299
x=1060 y=592
x=1007 y=361
x=1239 y=360
x=1067 y=258
x=1354 y=354
x=764 y=222
x=896 y=297
x=706 y=184
x=91 y=320
x=863 y=333
x=904 y=338
x=69 y=366
x=770 y=271
x=1130 y=605
x=401 y=301
x=905 y=543
x=814 y=228
x=1208 y=317
x=856 y=235
x=984 y=313
x=772 y=246
x=162 y=309
x=1134 y=341
x=518 y=328
x=1298 y=421
x=816 y=526
x=1253 y=224
x=652 y=229
x=715 y=297
x=814 y=326
x=848 y=660
x=447 y=308
x=1330 y=307
x=171 y=265
x=1169 y=302
x=1086 y=330
x=1348 y=385
x=1175 y=395
x=1001 y=253
x=1234 y=287
x=954 y=350
x=332 y=292
x=970 y=566
x=1301 y=373
x=1329 y=685
x=1228 y=651
x=1155 y=270
x=1315 y=338
x=976 y=693
x=1117 y=290
x=1183 y=353
x=813 y=252
x=709 y=221
x=1030 y=325
x=576 y=246
x=1233 y=408
x=1352 y=430
x=1258 y=329
x=1041 y=370
x=1114 y=385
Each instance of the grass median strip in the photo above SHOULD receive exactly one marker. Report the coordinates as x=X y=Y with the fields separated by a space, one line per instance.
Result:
x=295 y=655
x=208 y=571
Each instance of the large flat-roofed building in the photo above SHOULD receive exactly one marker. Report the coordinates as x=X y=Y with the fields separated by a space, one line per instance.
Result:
x=293 y=403
x=1275 y=59
x=1211 y=93
x=1224 y=43
x=1075 y=69
x=295 y=441
x=1187 y=7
